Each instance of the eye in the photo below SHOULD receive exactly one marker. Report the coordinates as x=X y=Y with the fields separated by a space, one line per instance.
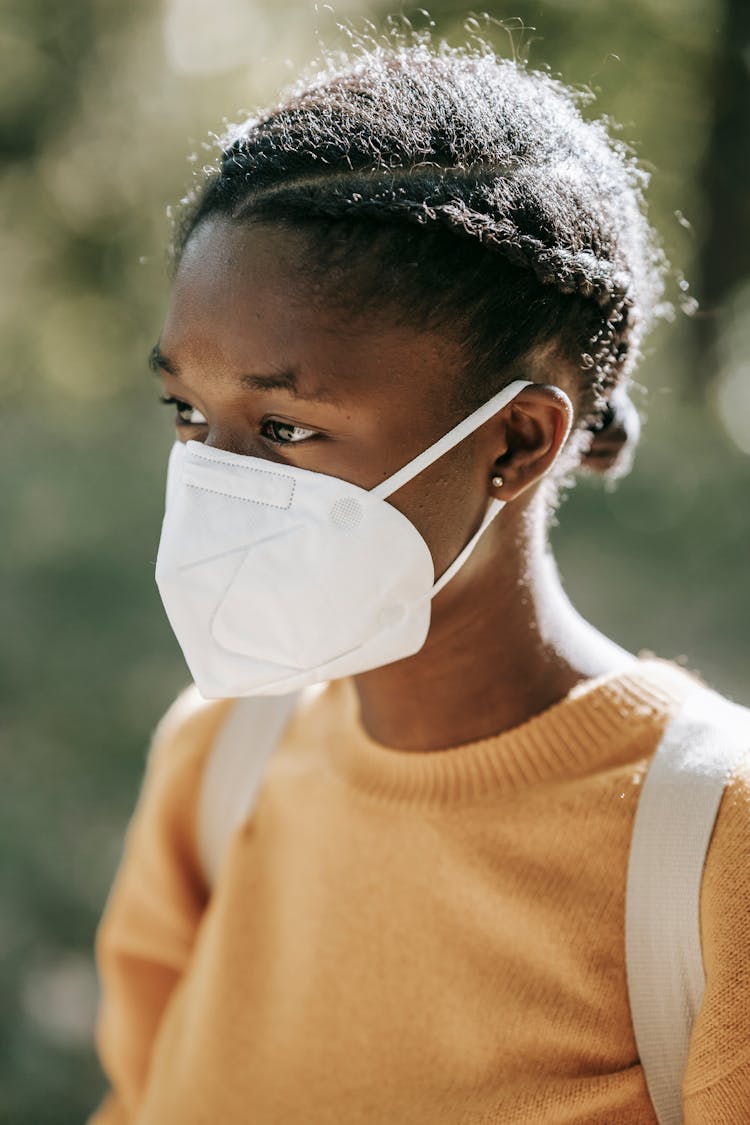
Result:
x=285 y=433
x=187 y=415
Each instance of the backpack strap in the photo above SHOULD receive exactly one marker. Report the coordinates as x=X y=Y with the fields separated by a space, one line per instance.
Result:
x=234 y=772
x=674 y=820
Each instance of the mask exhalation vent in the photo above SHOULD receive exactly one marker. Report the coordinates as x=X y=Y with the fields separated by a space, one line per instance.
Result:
x=346 y=513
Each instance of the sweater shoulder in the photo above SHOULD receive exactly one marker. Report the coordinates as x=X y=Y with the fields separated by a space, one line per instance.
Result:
x=160 y=860
x=180 y=746
x=185 y=733
x=727 y=868
x=722 y=1028
x=725 y=888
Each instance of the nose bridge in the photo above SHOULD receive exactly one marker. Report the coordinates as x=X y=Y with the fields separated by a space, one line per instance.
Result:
x=235 y=439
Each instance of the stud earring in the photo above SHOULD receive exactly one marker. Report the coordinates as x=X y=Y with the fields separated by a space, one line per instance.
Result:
x=497 y=482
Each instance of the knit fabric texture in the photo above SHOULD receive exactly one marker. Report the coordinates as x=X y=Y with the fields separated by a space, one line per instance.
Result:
x=403 y=938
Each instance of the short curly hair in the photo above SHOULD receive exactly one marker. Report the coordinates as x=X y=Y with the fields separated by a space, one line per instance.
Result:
x=464 y=191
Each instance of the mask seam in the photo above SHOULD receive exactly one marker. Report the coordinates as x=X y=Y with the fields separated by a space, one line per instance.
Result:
x=246 y=468
x=245 y=499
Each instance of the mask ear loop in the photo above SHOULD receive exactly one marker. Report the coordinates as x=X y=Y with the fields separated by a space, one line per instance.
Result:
x=423 y=460
x=493 y=508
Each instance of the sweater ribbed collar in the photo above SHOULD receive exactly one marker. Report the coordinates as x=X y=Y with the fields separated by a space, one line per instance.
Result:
x=592 y=726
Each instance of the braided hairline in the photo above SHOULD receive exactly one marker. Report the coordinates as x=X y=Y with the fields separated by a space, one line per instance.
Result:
x=505 y=162
x=387 y=195
x=384 y=195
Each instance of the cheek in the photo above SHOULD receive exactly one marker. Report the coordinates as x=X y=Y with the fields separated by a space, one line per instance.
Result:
x=446 y=504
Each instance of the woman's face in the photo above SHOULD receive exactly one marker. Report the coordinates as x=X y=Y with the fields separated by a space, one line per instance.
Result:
x=258 y=365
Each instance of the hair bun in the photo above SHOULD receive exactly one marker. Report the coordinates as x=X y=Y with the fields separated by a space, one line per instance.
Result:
x=614 y=436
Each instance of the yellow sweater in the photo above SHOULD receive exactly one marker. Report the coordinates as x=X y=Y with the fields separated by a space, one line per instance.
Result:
x=412 y=938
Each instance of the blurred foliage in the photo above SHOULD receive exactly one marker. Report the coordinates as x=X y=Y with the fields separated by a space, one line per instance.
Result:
x=104 y=106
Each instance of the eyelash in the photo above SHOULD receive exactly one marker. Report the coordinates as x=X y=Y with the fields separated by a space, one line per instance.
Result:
x=170 y=400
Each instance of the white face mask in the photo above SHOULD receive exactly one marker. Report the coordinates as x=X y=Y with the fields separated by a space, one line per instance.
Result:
x=275 y=577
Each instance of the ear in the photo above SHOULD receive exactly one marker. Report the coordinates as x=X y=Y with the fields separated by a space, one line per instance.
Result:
x=536 y=425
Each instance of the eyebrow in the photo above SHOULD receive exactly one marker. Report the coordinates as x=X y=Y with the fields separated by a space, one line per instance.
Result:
x=157 y=361
x=280 y=381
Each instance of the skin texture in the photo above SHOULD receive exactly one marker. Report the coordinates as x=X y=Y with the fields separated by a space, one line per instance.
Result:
x=504 y=642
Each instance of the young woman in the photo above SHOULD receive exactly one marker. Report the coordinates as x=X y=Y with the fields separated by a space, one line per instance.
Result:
x=422 y=918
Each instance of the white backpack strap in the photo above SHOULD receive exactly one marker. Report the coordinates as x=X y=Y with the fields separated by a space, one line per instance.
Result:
x=674 y=820
x=234 y=772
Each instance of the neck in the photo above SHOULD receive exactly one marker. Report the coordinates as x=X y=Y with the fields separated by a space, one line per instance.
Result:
x=505 y=643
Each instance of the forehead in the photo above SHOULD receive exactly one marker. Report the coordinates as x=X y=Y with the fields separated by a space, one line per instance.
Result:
x=246 y=300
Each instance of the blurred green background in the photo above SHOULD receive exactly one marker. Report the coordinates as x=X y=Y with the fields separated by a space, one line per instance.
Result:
x=105 y=109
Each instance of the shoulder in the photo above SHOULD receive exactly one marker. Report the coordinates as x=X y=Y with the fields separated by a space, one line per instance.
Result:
x=160 y=838
x=722 y=1029
x=180 y=746
x=186 y=731
x=727 y=867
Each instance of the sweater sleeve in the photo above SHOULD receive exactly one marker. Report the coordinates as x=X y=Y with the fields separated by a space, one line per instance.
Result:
x=717 y=1079
x=146 y=934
